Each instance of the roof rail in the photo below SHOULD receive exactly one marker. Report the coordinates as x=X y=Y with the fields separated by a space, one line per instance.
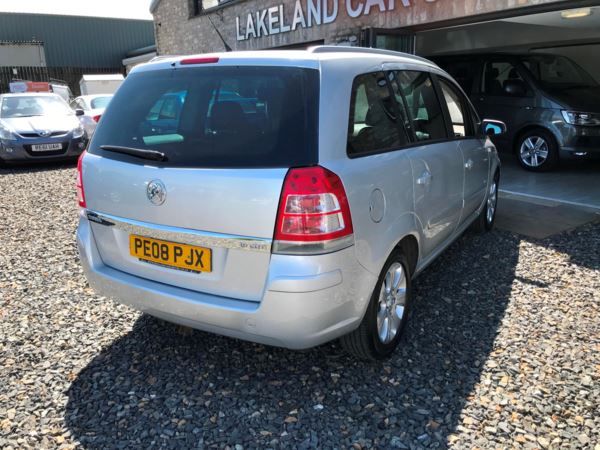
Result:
x=161 y=57
x=369 y=50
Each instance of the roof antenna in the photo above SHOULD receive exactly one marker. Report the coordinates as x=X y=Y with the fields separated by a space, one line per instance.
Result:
x=227 y=47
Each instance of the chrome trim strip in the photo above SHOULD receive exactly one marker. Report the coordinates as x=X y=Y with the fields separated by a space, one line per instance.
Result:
x=183 y=235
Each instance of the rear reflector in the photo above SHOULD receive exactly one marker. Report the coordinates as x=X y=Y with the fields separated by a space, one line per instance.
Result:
x=204 y=60
x=79 y=182
x=97 y=118
x=314 y=216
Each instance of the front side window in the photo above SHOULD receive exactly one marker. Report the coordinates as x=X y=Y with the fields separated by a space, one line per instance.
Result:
x=456 y=109
x=216 y=116
x=418 y=93
x=373 y=124
x=100 y=102
x=502 y=78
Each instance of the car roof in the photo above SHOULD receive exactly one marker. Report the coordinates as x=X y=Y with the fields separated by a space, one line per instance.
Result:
x=312 y=58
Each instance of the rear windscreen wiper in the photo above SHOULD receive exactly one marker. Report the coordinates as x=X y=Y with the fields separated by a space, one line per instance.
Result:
x=137 y=152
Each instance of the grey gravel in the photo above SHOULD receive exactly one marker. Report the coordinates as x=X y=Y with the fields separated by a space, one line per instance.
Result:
x=501 y=352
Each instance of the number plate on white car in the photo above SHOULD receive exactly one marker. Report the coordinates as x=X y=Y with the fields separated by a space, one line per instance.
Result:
x=46 y=147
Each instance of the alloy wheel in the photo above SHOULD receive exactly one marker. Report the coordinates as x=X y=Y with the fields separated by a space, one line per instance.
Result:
x=392 y=303
x=534 y=151
x=492 y=201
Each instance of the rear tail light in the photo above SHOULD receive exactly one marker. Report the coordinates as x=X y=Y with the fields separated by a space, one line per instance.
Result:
x=314 y=216
x=97 y=118
x=79 y=183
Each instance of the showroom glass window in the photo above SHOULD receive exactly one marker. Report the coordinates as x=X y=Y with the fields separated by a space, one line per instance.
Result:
x=497 y=75
x=373 y=125
x=463 y=73
x=203 y=5
x=417 y=92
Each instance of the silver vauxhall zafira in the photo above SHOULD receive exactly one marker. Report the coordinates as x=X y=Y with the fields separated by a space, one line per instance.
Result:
x=283 y=197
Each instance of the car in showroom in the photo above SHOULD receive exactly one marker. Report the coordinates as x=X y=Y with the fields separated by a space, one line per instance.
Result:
x=550 y=105
x=93 y=107
x=38 y=127
x=292 y=197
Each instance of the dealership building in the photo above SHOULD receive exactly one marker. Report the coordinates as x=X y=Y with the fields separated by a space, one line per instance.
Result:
x=425 y=27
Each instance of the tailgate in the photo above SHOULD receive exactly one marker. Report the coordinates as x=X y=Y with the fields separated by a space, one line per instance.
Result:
x=227 y=213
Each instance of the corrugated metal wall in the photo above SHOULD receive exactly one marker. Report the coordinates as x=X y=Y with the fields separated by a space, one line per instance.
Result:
x=70 y=75
x=76 y=41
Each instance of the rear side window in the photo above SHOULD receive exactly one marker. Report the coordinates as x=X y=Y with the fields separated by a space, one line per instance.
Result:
x=216 y=117
x=497 y=75
x=422 y=103
x=373 y=124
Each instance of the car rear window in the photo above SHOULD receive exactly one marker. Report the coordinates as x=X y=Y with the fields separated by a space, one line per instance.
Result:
x=216 y=117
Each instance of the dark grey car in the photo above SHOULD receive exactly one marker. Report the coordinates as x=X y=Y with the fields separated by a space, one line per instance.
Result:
x=38 y=127
x=550 y=105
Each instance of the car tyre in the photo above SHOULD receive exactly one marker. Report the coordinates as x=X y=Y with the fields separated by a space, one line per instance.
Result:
x=537 y=150
x=389 y=304
x=487 y=217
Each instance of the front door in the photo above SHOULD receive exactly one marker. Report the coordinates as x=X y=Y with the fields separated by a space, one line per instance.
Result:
x=436 y=161
x=464 y=128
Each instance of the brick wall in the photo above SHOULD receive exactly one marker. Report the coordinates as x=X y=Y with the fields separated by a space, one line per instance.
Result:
x=179 y=32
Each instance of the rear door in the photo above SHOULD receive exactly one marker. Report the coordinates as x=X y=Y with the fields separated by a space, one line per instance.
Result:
x=464 y=130
x=228 y=135
x=437 y=163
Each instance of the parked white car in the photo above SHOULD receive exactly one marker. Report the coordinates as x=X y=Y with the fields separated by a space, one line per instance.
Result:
x=93 y=107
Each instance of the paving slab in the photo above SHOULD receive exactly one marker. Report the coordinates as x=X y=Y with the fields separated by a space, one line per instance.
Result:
x=575 y=183
x=538 y=218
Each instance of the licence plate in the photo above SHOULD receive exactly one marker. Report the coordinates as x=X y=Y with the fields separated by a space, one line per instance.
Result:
x=46 y=147
x=171 y=254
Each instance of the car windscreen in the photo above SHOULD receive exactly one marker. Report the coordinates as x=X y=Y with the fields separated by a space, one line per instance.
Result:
x=232 y=116
x=100 y=102
x=557 y=72
x=30 y=106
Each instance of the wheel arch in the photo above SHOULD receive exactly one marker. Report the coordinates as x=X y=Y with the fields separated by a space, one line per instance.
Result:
x=409 y=245
x=529 y=127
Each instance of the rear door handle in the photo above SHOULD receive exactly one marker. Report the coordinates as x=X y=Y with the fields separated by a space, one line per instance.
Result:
x=469 y=164
x=425 y=178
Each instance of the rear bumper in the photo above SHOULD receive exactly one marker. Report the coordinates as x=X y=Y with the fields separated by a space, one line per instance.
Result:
x=296 y=312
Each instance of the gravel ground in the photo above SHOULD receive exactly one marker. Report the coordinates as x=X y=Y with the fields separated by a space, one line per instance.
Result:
x=501 y=352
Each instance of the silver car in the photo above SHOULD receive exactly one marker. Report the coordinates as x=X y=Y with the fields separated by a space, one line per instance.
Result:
x=283 y=197
x=38 y=127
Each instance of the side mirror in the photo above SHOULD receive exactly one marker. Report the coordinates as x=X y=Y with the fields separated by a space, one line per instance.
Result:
x=493 y=127
x=79 y=112
x=515 y=88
